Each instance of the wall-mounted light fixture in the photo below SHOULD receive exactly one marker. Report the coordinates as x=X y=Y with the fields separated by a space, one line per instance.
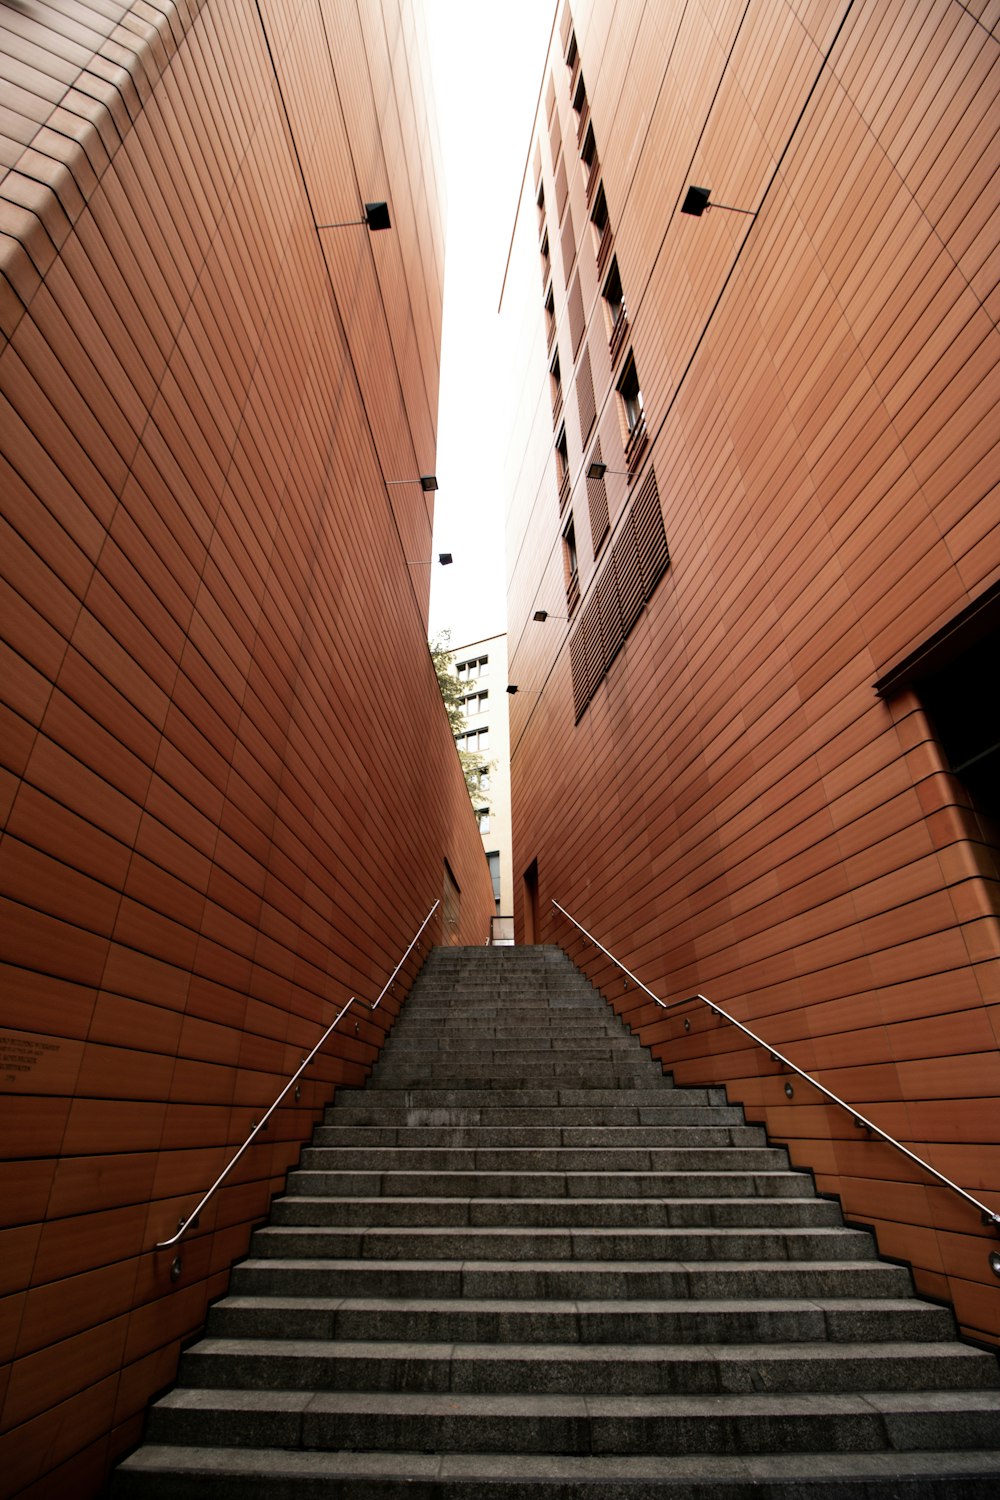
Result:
x=512 y=687
x=541 y=615
x=696 y=201
x=427 y=482
x=376 y=217
x=444 y=558
x=598 y=470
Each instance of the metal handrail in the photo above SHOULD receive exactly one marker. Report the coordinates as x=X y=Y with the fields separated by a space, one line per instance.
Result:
x=990 y=1217
x=260 y=1125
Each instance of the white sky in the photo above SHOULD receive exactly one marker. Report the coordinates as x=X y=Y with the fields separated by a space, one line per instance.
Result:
x=487 y=61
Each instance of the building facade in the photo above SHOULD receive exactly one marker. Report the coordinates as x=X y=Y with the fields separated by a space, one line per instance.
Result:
x=755 y=563
x=218 y=379
x=481 y=667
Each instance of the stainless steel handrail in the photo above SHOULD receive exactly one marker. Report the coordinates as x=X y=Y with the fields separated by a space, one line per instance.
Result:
x=192 y=1219
x=989 y=1216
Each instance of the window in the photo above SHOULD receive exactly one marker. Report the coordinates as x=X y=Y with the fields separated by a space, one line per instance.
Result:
x=474 y=740
x=569 y=542
x=613 y=299
x=572 y=60
x=474 y=703
x=493 y=860
x=555 y=382
x=476 y=666
x=951 y=675
x=562 y=468
x=550 y=317
x=571 y=566
x=633 y=416
x=546 y=260
x=484 y=778
x=541 y=207
x=581 y=108
x=601 y=225
x=590 y=159
x=631 y=396
x=483 y=819
x=615 y=314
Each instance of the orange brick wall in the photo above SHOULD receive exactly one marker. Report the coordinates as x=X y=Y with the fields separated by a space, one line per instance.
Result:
x=214 y=656
x=736 y=811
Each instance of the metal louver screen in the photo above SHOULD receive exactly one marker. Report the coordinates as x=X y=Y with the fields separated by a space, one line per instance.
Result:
x=634 y=567
x=597 y=500
x=625 y=562
x=647 y=518
x=578 y=669
x=593 y=645
x=612 y=635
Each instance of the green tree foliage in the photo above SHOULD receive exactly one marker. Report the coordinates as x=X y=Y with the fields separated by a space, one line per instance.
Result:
x=474 y=765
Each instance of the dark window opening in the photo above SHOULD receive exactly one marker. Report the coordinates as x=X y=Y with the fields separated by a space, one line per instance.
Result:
x=555 y=382
x=571 y=566
x=562 y=468
x=601 y=226
x=631 y=396
x=963 y=705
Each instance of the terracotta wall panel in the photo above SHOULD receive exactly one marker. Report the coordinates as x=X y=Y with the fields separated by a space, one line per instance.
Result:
x=201 y=861
x=736 y=811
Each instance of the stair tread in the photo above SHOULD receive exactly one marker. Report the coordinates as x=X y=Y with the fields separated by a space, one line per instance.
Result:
x=638 y=1270
x=448 y=1349
x=540 y=1306
x=672 y=1469
x=658 y=1267
x=450 y=1403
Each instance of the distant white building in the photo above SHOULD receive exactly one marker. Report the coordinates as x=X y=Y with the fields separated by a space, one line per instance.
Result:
x=481 y=667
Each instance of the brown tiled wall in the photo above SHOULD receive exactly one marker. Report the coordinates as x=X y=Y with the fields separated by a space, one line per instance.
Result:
x=736 y=811
x=214 y=660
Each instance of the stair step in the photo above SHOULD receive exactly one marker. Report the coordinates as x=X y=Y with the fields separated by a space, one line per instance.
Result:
x=514 y=1160
x=470 y=1320
x=541 y=1056
x=538 y=1136
x=471 y=1242
x=590 y=1280
x=582 y=1369
x=522 y=1265
x=418 y=1112
x=387 y=1182
x=465 y=1078
x=177 y=1473
x=516 y=1097
x=561 y=1212
x=576 y=1424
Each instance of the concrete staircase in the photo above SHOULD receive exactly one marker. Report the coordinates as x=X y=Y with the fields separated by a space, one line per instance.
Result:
x=522 y=1263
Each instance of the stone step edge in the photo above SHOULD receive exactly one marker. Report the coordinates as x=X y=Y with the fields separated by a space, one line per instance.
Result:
x=604 y=1267
x=447 y=1350
x=773 y=1405
x=793 y=1472
x=587 y=1307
